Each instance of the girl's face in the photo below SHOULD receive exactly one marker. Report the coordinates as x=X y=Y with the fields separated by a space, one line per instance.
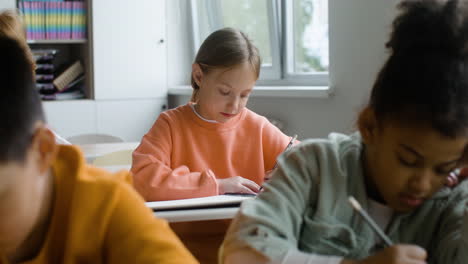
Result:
x=405 y=165
x=223 y=92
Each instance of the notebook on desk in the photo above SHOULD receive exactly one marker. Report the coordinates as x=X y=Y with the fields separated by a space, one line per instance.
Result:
x=198 y=203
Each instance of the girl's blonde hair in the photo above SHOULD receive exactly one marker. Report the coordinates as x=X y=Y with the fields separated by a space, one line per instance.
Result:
x=11 y=26
x=225 y=48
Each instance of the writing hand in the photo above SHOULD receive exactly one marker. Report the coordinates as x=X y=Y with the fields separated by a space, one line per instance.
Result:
x=397 y=254
x=237 y=184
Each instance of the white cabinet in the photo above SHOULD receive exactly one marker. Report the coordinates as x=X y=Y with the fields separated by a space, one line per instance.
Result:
x=70 y=118
x=128 y=61
x=129 y=119
x=129 y=53
x=7 y=4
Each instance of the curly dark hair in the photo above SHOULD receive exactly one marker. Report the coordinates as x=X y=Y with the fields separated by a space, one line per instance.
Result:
x=425 y=79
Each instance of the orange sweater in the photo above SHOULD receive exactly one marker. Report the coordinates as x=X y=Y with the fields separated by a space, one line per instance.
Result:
x=182 y=155
x=98 y=218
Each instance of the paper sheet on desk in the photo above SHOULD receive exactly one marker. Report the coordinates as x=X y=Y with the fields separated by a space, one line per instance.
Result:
x=195 y=203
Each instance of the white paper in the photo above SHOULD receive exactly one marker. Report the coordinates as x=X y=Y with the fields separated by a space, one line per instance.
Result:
x=210 y=201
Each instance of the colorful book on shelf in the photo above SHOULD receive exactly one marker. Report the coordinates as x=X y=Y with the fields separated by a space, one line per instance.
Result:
x=70 y=74
x=76 y=84
x=42 y=17
x=45 y=88
x=64 y=96
x=24 y=9
x=54 y=20
x=33 y=19
x=44 y=55
x=45 y=68
x=44 y=77
x=74 y=90
x=36 y=18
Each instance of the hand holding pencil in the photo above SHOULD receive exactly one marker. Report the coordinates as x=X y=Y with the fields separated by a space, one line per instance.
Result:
x=290 y=144
x=270 y=172
x=392 y=254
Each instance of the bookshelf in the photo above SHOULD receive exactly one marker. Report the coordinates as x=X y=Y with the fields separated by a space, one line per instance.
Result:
x=62 y=26
x=124 y=56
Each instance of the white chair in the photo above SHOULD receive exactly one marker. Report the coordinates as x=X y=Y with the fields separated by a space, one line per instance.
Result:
x=121 y=157
x=93 y=139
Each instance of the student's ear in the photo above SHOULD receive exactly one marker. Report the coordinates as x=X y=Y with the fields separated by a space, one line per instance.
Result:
x=44 y=147
x=197 y=73
x=367 y=125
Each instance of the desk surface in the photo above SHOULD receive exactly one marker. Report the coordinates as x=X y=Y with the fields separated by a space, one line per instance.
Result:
x=191 y=215
x=116 y=168
x=187 y=215
x=199 y=209
x=92 y=151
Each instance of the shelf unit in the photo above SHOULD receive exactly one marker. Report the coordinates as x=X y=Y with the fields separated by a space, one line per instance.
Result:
x=125 y=60
x=71 y=50
x=58 y=41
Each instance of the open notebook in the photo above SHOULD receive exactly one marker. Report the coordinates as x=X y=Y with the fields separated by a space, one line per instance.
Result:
x=197 y=203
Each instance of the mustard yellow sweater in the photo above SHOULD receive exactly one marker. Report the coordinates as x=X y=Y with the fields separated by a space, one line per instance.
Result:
x=99 y=218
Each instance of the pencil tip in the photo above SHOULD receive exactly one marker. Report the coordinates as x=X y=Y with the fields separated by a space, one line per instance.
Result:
x=354 y=203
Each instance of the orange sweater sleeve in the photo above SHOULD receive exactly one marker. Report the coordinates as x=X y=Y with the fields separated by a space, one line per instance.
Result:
x=134 y=235
x=153 y=176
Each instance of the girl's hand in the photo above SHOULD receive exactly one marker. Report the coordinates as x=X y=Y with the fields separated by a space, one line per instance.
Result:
x=397 y=254
x=268 y=175
x=237 y=184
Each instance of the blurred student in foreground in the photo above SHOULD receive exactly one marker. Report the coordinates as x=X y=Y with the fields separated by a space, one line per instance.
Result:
x=55 y=208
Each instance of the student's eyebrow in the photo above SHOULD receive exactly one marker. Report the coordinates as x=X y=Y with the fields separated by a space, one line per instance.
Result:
x=227 y=84
x=409 y=149
x=445 y=164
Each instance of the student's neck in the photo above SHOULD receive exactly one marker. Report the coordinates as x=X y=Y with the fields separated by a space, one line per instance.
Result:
x=197 y=109
x=201 y=114
x=371 y=188
x=34 y=242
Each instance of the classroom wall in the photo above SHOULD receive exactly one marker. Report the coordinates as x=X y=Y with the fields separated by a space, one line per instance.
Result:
x=358 y=32
x=7 y=4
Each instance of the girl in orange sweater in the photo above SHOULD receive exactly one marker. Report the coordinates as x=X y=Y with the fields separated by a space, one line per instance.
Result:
x=213 y=144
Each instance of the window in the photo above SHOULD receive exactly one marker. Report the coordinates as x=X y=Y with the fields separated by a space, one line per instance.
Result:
x=292 y=36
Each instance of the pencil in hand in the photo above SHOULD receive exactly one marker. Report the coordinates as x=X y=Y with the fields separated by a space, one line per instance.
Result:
x=291 y=142
x=355 y=204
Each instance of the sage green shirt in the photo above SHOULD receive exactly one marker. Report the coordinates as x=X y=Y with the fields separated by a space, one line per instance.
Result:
x=305 y=207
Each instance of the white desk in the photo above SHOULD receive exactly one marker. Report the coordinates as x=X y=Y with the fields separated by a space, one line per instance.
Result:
x=92 y=151
x=191 y=215
x=116 y=168
x=199 y=209
x=188 y=215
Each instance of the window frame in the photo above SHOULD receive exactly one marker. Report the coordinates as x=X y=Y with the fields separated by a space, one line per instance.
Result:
x=281 y=30
x=316 y=78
